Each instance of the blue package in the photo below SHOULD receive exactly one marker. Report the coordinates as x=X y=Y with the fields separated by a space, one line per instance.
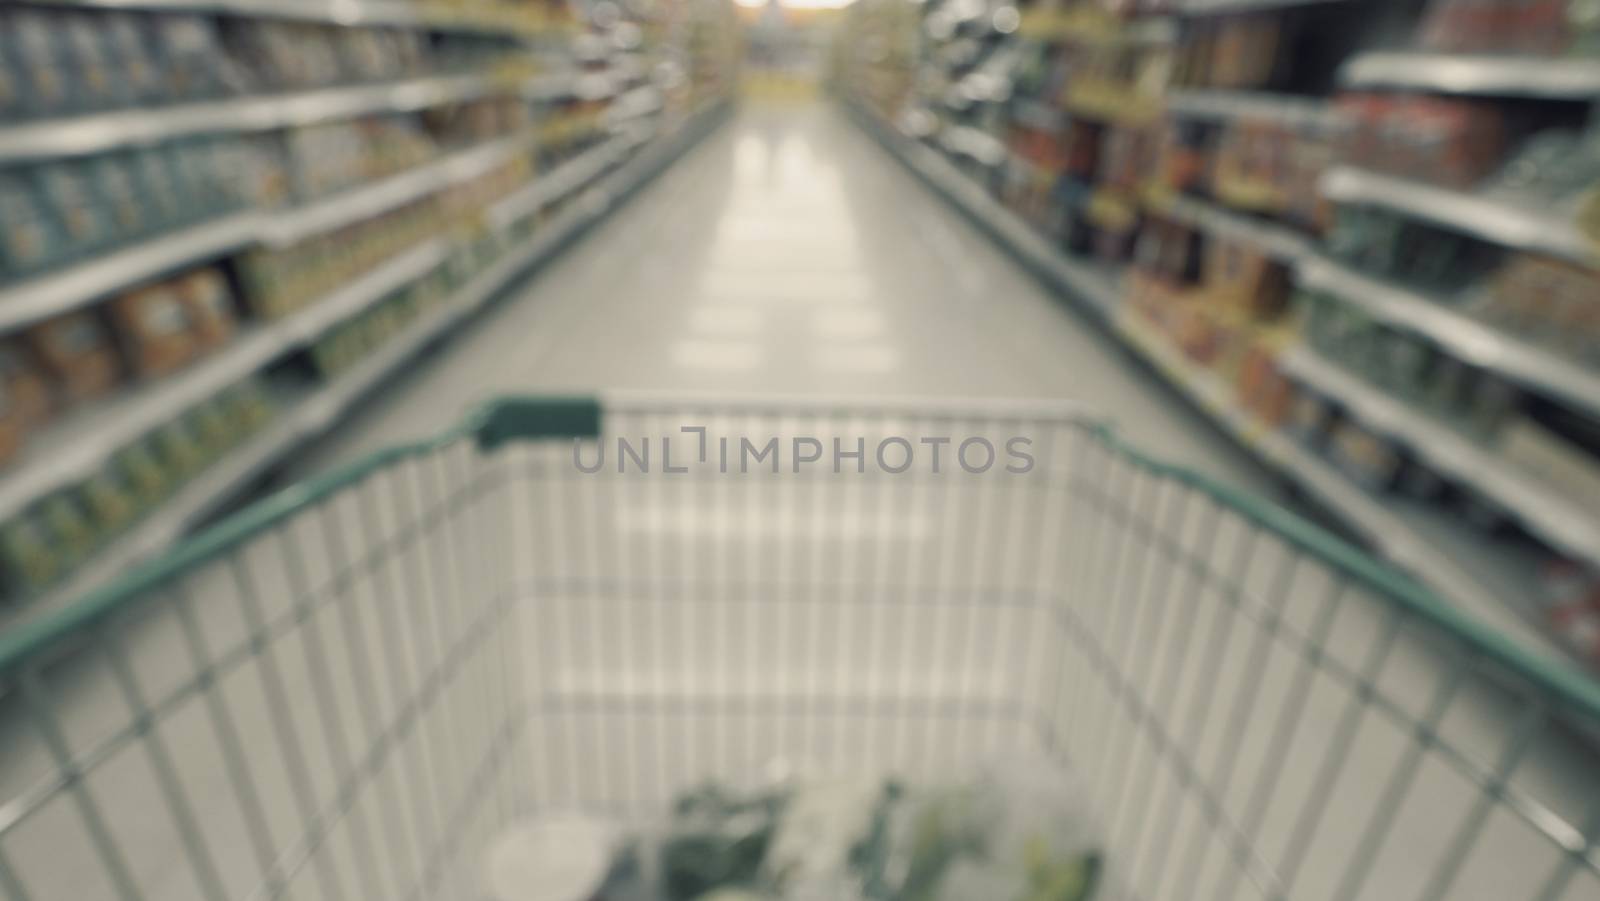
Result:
x=41 y=60
x=29 y=241
x=74 y=205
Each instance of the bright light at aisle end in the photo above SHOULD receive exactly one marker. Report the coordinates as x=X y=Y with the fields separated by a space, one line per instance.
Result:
x=797 y=4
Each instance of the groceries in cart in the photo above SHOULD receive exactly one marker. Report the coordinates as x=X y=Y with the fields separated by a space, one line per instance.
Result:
x=1015 y=830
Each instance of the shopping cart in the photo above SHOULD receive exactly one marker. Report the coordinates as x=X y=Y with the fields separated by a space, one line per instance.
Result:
x=347 y=691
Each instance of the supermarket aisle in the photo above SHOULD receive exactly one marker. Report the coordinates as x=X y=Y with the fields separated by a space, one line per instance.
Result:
x=788 y=254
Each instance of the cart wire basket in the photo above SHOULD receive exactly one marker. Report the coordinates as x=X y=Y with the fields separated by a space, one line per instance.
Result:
x=347 y=691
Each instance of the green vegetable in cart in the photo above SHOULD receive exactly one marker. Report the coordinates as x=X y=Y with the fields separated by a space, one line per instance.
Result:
x=717 y=840
x=1051 y=878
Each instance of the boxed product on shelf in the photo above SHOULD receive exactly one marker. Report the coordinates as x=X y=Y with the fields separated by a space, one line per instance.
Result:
x=155 y=329
x=28 y=561
x=1263 y=390
x=475 y=121
x=29 y=238
x=1449 y=141
x=1556 y=168
x=115 y=179
x=1169 y=251
x=1240 y=277
x=67 y=189
x=1368 y=457
x=164 y=204
x=139 y=467
x=52 y=213
x=209 y=424
x=1444 y=264
x=319 y=159
x=208 y=300
x=40 y=60
x=72 y=533
x=280 y=280
x=1533 y=27
x=1553 y=302
x=179 y=450
x=13 y=426
x=109 y=502
x=1233 y=52
x=99 y=84
x=137 y=67
x=78 y=354
x=27 y=390
x=193 y=60
x=1271 y=167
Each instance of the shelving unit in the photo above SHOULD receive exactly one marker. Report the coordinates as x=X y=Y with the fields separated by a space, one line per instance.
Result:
x=1212 y=103
x=1037 y=203
x=95 y=132
x=606 y=175
x=1559 y=520
x=328 y=332
x=339 y=12
x=298 y=223
x=1500 y=76
x=1471 y=340
x=1277 y=240
x=42 y=296
x=1402 y=536
x=1489 y=217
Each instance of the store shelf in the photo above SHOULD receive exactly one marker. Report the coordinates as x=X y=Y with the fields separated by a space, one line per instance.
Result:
x=98 y=132
x=353 y=205
x=43 y=296
x=1096 y=287
x=1529 y=364
x=1277 y=241
x=1405 y=537
x=558 y=182
x=1483 y=215
x=1409 y=538
x=71 y=451
x=309 y=416
x=333 y=12
x=1288 y=109
x=51 y=294
x=1543 y=510
x=1222 y=7
x=1499 y=76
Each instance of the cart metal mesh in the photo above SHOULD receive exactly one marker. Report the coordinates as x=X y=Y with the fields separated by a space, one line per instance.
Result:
x=347 y=691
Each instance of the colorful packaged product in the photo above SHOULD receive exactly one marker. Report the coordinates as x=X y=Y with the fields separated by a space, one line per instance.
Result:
x=41 y=61
x=78 y=354
x=71 y=532
x=109 y=502
x=26 y=555
x=155 y=328
x=209 y=304
x=27 y=390
x=29 y=238
x=81 y=218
